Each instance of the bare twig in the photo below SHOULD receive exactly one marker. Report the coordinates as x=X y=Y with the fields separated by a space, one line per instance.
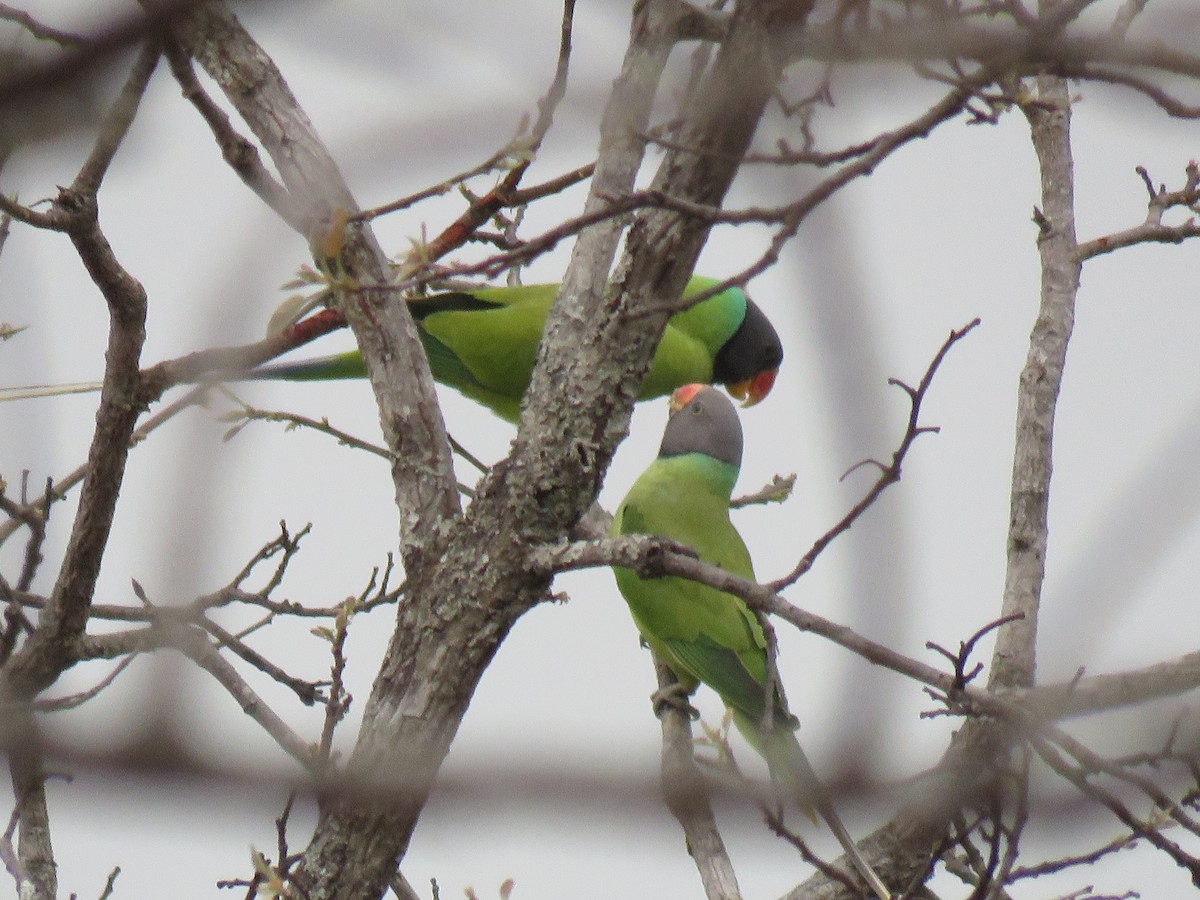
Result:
x=1117 y=844
x=110 y=883
x=888 y=474
x=1157 y=94
x=73 y=701
x=960 y=659
x=35 y=516
x=116 y=124
x=308 y=692
x=1093 y=764
x=485 y=207
x=495 y=161
x=241 y=155
x=40 y=30
x=775 y=822
x=1153 y=230
x=337 y=703
x=247 y=414
x=778 y=491
x=1147 y=830
x=527 y=195
x=286 y=544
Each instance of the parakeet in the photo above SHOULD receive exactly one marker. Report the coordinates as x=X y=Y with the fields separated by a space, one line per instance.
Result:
x=483 y=343
x=703 y=634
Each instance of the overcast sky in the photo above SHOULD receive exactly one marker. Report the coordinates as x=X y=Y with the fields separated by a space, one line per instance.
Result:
x=408 y=94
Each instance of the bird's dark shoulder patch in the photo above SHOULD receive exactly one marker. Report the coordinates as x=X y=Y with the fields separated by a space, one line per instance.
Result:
x=455 y=302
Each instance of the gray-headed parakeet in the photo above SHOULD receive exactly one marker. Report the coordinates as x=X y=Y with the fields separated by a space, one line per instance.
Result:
x=703 y=634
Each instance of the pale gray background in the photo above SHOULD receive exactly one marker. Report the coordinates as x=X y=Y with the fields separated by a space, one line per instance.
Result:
x=409 y=93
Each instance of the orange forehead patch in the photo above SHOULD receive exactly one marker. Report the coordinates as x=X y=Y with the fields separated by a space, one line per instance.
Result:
x=684 y=395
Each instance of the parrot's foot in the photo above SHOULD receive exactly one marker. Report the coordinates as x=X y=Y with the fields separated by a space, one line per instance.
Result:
x=674 y=697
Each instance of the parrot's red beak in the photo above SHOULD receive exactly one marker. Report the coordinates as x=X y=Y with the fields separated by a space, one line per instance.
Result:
x=752 y=390
x=683 y=396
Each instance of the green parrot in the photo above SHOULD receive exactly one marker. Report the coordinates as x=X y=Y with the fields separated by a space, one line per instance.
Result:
x=483 y=343
x=703 y=634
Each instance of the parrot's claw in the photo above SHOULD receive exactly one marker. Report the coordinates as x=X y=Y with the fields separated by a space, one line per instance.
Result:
x=674 y=697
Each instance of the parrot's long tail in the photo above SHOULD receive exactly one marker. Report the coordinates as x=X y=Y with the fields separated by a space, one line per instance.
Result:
x=326 y=368
x=29 y=391
x=790 y=766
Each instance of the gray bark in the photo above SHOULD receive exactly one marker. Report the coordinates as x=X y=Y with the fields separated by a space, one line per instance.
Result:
x=464 y=593
x=1041 y=380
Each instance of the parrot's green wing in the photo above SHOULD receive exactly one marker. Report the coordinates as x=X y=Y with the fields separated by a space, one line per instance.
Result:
x=445 y=365
x=726 y=671
x=484 y=343
x=481 y=343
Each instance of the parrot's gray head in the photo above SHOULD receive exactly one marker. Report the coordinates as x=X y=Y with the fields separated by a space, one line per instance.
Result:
x=703 y=420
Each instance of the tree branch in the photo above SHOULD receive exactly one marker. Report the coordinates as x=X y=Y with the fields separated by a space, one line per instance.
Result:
x=687 y=796
x=590 y=362
x=193 y=644
x=1049 y=117
x=37 y=875
x=49 y=649
x=1153 y=230
x=241 y=155
x=397 y=368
